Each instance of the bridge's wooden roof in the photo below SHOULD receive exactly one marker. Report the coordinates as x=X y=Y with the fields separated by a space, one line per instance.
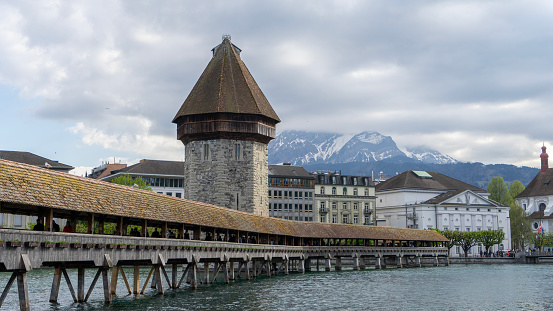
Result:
x=28 y=186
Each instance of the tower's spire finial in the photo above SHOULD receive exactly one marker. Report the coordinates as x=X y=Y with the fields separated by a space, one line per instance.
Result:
x=226 y=36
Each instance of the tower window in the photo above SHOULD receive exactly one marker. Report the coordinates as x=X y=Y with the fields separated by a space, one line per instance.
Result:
x=205 y=151
x=237 y=154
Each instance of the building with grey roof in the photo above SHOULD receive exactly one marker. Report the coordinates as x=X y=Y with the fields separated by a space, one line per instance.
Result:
x=166 y=177
x=22 y=221
x=344 y=199
x=430 y=200
x=291 y=193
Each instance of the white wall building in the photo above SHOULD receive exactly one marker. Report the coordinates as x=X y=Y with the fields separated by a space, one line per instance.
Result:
x=165 y=177
x=537 y=198
x=429 y=200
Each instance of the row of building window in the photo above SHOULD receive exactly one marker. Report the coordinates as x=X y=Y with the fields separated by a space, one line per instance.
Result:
x=344 y=191
x=290 y=182
x=344 y=180
x=279 y=194
x=290 y=207
x=296 y=218
x=346 y=219
x=177 y=194
x=477 y=209
x=237 y=152
x=165 y=182
x=344 y=206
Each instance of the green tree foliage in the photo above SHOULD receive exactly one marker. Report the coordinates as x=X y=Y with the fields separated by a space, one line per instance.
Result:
x=489 y=238
x=497 y=189
x=468 y=239
x=127 y=180
x=541 y=239
x=515 y=189
x=521 y=227
x=452 y=236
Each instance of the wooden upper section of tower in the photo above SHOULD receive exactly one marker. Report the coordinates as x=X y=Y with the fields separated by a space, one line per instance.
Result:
x=226 y=102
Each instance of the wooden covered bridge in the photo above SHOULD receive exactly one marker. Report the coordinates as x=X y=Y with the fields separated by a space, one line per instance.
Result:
x=195 y=238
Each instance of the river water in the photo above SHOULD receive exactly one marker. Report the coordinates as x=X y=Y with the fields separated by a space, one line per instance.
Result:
x=457 y=287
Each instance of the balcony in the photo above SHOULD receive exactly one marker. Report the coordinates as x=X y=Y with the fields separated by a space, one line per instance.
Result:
x=323 y=210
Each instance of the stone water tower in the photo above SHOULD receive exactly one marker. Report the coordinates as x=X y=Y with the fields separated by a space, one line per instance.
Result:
x=225 y=124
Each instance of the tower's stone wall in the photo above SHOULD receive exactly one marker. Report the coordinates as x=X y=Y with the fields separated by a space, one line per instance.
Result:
x=228 y=173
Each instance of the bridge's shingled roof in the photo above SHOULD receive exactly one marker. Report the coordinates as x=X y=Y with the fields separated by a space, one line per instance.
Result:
x=28 y=185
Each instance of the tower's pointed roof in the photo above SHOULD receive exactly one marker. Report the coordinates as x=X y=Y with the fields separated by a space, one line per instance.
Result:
x=226 y=86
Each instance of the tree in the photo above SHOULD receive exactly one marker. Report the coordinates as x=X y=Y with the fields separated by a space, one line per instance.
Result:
x=127 y=180
x=452 y=236
x=489 y=238
x=497 y=189
x=467 y=239
x=514 y=189
x=541 y=239
x=521 y=227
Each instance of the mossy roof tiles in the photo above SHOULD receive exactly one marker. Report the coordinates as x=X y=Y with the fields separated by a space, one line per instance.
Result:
x=31 y=186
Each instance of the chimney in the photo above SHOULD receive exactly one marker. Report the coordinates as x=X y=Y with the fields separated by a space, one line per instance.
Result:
x=544 y=159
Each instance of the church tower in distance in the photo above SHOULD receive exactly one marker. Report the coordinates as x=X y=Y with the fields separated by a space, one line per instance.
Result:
x=225 y=124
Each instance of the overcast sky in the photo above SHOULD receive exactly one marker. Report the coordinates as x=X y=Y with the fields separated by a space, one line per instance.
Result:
x=83 y=82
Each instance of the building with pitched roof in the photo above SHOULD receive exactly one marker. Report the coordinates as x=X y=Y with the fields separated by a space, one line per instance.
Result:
x=291 y=192
x=165 y=177
x=33 y=159
x=537 y=198
x=225 y=124
x=21 y=221
x=344 y=199
x=430 y=200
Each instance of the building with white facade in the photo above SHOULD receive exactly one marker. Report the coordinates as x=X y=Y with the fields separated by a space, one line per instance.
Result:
x=429 y=200
x=344 y=199
x=165 y=177
x=537 y=198
x=291 y=193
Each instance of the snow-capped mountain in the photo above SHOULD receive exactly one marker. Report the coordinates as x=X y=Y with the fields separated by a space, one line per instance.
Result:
x=302 y=148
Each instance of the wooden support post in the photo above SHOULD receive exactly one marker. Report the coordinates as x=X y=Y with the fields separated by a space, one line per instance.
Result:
x=119 y=226
x=49 y=218
x=159 y=282
x=225 y=272
x=301 y=265
x=286 y=267
x=328 y=264
x=23 y=291
x=144 y=231
x=147 y=280
x=269 y=263
x=125 y=280
x=338 y=263
x=7 y=288
x=136 y=280
x=80 y=284
x=181 y=231
x=436 y=261
x=105 y=278
x=378 y=264
x=101 y=225
x=169 y=284
x=153 y=285
x=93 y=284
x=68 y=281
x=114 y=274
x=184 y=274
x=247 y=267
x=90 y=224
x=307 y=265
x=55 y=286
x=356 y=262
x=193 y=275
x=216 y=271
x=399 y=259
x=418 y=261
x=206 y=272
x=174 y=275
x=231 y=271
x=197 y=233
x=164 y=230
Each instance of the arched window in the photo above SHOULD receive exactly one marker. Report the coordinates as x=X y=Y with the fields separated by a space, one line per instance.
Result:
x=322 y=190
x=333 y=190
x=354 y=191
x=542 y=207
x=345 y=191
